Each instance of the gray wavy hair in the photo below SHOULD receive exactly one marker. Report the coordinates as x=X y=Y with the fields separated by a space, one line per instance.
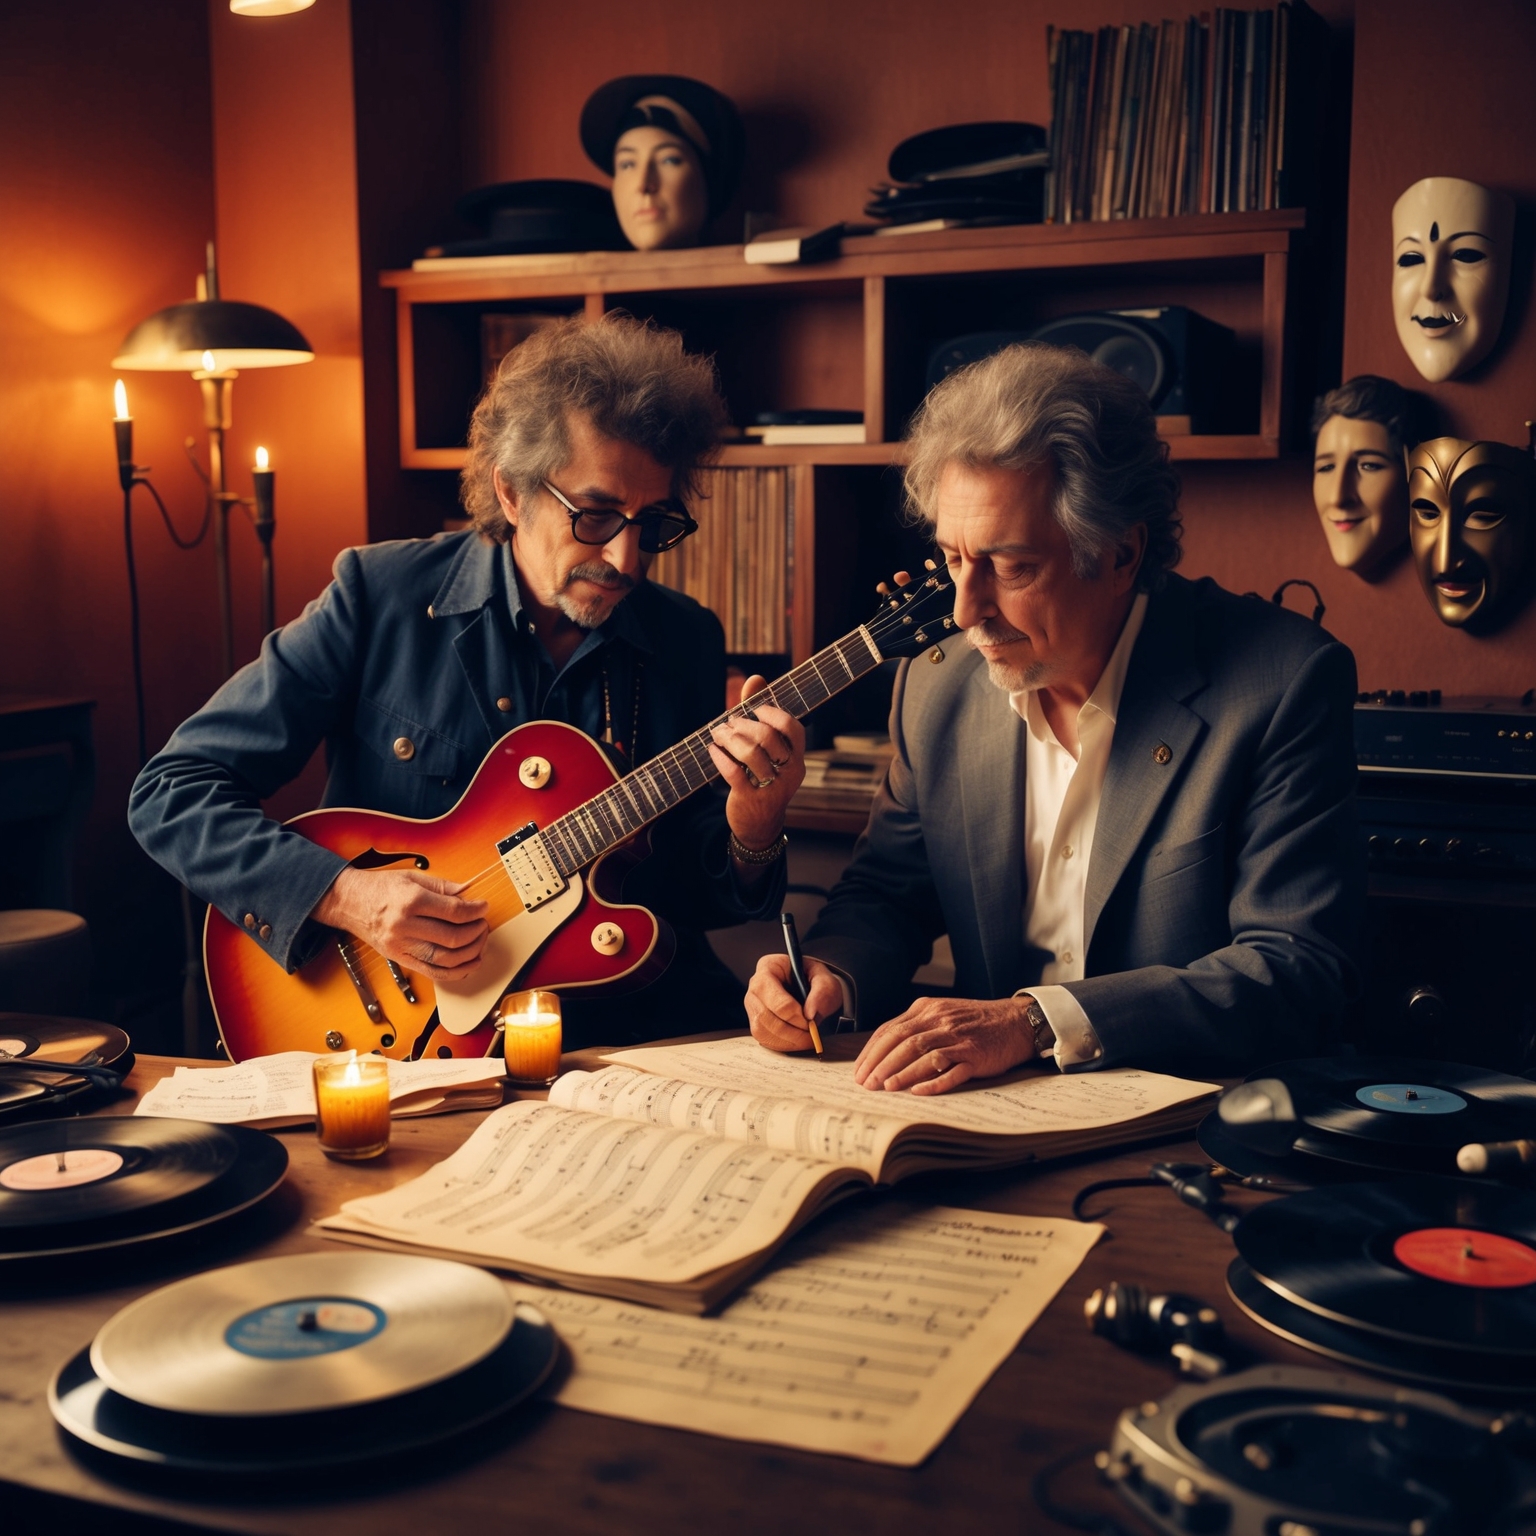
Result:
x=633 y=380
x=1034 y=403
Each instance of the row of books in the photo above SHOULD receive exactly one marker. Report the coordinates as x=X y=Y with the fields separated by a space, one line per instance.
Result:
x=738 y=563
x=1216 y=114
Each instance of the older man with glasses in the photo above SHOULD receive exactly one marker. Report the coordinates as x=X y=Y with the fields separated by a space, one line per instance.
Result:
x=583 y=452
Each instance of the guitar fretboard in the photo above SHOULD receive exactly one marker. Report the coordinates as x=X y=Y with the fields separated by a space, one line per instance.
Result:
x=588 y=832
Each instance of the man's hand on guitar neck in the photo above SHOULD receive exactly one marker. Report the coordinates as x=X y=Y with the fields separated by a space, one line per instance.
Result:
x=762 y=760
x=420 y=922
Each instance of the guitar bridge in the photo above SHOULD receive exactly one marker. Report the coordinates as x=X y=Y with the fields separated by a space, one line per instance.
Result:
x=530 y=868
x=365 y=993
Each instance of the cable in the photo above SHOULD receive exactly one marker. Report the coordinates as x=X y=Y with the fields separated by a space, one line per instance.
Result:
x=1078 y=1519
x=1089 y=1190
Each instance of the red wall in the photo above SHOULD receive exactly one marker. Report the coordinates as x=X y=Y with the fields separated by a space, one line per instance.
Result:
x=106 y=198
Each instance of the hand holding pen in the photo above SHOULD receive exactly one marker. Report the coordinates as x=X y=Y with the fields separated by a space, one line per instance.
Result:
x=801 y=982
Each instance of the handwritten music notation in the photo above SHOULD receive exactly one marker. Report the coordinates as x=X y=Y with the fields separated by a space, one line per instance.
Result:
x=868 y=1337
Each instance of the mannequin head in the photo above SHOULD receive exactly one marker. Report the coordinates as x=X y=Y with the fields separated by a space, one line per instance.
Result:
x=1359 y=474
x=1473 y=527
x=1451 y=258
x=674 y=148
x=659 y=192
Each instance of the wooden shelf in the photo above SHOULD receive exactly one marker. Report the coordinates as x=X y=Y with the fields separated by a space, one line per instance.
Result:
x=856 y=333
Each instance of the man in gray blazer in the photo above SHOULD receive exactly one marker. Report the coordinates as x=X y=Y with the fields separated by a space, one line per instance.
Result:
x=1127 y=798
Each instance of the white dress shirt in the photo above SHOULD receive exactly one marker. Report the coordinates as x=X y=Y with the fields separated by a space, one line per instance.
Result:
x=1061 y=810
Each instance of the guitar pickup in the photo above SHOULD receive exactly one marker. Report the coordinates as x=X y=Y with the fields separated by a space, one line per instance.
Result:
x=530 y=868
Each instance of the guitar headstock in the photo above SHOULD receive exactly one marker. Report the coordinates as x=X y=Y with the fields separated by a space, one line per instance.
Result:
x=916 y=614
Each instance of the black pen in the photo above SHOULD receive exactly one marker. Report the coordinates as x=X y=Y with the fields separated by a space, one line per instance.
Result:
x=797 y=973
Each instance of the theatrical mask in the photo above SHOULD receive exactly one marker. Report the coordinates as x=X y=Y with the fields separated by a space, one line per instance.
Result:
x=1472 y=522
x=1451 y=244
x=1360 y=489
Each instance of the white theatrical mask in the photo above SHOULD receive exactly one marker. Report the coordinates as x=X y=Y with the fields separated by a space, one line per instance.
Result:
x=1450 y=272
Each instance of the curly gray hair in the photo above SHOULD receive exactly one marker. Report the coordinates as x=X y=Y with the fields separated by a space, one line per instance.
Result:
x=633 y=380
x=1034 y=403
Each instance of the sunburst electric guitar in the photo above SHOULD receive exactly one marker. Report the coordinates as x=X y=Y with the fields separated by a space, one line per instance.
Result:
x=543 y=814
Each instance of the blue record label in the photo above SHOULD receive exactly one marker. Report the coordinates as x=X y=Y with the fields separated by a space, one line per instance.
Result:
x=313 y=1325
x=1410 y=1099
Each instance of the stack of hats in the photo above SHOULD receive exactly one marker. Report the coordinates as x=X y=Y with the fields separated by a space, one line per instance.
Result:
x=981 y=173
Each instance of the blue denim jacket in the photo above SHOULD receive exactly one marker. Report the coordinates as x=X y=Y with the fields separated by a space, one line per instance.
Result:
x=420 y=639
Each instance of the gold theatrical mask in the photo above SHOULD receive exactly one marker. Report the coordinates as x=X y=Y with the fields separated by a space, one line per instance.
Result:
x=1451 y=256
x=1473 y=527
x=1360 y=489
x=659 y=189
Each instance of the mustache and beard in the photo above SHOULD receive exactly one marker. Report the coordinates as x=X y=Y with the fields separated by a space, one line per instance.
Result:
x=593 y=613
x=1010 y=677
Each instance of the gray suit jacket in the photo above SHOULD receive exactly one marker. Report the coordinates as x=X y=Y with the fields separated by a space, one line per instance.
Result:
x=1226 y=885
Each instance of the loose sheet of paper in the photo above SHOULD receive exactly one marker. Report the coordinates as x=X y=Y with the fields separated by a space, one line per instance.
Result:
x=860 y=1137
x=282 y=1086
x=541 y=1187
x=1056 y=1101
x=869 y=1337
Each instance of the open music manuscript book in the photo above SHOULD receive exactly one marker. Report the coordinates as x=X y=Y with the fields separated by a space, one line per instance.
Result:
x=671 y=1176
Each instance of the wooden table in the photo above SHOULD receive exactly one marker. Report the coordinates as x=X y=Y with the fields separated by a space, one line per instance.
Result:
x=545 y=1468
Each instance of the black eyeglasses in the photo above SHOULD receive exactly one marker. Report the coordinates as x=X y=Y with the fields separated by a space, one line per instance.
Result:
x=661 y=527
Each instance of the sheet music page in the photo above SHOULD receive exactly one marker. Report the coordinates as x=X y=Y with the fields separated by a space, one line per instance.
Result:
x=858 y=1136
x=1047 y=1101
x=282 y=1087
x=868 y=1337
x=587 y=1195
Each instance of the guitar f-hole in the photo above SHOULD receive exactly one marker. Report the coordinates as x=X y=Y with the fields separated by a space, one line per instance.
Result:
x=373 y=859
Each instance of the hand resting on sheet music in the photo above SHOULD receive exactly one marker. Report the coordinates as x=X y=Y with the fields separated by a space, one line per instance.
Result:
x=420 y=922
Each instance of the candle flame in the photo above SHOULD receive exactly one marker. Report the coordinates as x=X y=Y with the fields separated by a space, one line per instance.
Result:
x=120 y=400
x=261 y=458
x=208 y=363
x=353 y=1075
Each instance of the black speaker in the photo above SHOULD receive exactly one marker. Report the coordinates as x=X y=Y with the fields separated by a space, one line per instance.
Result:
x=1183 y=361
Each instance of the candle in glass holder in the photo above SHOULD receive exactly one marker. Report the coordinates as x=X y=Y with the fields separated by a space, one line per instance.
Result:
x=352 y=1105
x=530 y=1027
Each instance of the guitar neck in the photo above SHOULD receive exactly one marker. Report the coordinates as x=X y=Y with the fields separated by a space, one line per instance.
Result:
x=588 y=832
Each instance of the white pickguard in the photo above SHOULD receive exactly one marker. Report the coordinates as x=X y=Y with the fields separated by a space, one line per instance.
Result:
x=461 y=1005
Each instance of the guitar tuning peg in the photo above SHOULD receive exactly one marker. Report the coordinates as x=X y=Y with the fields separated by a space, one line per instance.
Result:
x=882 y=588
x=930 y=565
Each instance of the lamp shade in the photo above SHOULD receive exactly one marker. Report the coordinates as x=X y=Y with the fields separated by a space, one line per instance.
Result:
x=238 y=335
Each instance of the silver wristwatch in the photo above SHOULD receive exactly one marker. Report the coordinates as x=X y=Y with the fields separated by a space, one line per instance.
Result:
x=1040 y=1028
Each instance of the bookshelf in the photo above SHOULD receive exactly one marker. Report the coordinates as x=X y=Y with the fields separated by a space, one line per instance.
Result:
x=854 y=333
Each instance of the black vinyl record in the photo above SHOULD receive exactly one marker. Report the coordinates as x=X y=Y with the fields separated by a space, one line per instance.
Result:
x=1452 y=1370
x=1433 y=1262
x=1413 y=1106
x=69 y=1186
x=23 y=1093
x=226 y=1445
x=1312 y=1161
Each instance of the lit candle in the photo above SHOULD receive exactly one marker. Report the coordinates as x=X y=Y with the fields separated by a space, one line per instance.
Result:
x=122 y=426
x=263 y=477
x=530 y=1026
x=352 y=1105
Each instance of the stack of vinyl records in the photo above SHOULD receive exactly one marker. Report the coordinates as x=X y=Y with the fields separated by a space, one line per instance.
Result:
x=72 y=1187
x=971 y=173
x=36 y=1051
x=302 y=1363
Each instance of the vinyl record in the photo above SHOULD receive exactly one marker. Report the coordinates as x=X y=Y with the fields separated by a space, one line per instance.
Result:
x=24 y=1093
x=1437 y=1262
x=70 y=1186
x=302 y=1332
x=1408 y=1104
x=1300 y=1166
x=1452 y=1370
x=35 y=1034
x=87 y=1409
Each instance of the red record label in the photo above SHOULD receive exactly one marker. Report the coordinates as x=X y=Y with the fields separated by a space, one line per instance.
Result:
x=1464 y=1256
